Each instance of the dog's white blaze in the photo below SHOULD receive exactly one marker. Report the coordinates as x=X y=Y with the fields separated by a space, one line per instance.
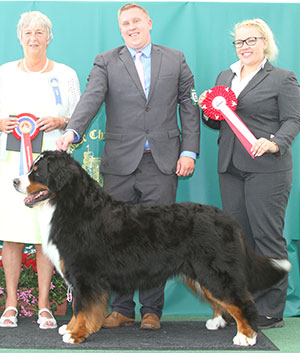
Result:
x=45 y=215
x=215 y=323
x=242 y=340
x=24 y=183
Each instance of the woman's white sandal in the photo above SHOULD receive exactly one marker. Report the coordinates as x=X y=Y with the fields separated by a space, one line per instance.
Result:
x=42 y=320
x=13 y=319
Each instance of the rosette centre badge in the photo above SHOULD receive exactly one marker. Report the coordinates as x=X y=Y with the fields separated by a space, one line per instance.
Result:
x=220 y=104
x=27 y=125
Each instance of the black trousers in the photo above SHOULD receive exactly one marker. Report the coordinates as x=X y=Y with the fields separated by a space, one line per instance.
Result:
x=258 y=202
x=147 y=186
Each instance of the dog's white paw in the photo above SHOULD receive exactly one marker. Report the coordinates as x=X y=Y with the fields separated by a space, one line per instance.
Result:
x=63 y=330
x=242 y=340
x=68 y=339
x=215 y=323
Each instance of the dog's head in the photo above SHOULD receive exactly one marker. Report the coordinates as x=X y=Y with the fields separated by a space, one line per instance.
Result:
x=50 y=173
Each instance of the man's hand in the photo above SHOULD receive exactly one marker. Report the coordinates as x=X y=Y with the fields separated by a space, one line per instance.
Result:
x=65 y=141
x=185 y=166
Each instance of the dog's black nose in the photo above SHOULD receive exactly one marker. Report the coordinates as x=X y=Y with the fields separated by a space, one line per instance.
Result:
x=16 y=182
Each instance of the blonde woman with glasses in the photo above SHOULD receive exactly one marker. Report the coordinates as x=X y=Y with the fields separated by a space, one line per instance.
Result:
x=256 y=191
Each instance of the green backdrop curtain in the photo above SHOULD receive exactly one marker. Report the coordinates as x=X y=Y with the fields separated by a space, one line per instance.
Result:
x=202 y=30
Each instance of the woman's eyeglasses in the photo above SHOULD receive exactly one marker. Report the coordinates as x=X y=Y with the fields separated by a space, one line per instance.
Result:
x=251 y=41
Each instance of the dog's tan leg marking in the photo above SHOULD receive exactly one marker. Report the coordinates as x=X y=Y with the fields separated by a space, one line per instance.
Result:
x=71 y=323
x=217 y=321
x=87 y=321
x=245 y=334
x=195 y=287
x=64 y=329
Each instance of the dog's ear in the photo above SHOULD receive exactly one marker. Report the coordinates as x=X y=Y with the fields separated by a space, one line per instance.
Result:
x=62 y=171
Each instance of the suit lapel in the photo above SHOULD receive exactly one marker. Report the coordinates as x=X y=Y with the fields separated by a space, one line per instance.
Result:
x=261 y=75
x=227 y=80
x=156 y=57
x=126 y=58
x=254 y=82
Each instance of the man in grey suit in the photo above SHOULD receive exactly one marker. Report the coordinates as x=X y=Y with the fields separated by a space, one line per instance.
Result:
x=145 y=150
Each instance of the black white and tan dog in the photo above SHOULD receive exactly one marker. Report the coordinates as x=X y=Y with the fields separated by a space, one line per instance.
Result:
x=100 y=245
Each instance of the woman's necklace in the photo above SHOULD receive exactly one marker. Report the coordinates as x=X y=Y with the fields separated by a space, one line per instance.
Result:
x=37 y=72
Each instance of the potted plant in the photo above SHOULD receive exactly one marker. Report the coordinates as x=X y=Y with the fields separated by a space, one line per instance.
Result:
x=27 y=293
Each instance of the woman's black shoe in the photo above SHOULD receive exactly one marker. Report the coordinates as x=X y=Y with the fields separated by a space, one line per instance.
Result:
x=264 y=323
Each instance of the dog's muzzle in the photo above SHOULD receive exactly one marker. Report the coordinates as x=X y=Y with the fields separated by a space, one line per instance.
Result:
x=21 y=183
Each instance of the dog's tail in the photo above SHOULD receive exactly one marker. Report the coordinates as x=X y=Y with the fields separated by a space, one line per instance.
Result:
x=263 y=272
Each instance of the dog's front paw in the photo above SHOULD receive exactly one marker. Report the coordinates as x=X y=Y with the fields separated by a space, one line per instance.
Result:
x=242 y=340
x=63 y=330
x=216 y=323
x=67 y=338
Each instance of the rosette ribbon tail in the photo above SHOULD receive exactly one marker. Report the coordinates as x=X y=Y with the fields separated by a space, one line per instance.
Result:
x=239 y=128
x=26 y=131
x=219 y=104
x=26 y=158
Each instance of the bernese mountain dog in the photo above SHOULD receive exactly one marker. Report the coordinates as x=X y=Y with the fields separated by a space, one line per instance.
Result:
x=100 y=245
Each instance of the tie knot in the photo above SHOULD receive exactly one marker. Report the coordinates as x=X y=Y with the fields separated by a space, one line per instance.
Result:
x=138 y=55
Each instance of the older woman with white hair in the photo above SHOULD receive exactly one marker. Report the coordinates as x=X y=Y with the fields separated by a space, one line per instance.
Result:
x=50 y=91
x=256 y=190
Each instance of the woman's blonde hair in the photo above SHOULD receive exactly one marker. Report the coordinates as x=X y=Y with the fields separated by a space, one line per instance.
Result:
x=33 y=19
x=271 y=51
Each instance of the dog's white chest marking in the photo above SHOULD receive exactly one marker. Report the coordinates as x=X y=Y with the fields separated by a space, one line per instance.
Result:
x=45 y=215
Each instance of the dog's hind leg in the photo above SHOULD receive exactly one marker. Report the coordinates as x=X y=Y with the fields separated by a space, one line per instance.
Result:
x=221 y=318
x=87 y=321
x=244 y=312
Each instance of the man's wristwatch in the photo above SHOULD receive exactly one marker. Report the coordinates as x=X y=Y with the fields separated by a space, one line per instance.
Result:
x=66 y=123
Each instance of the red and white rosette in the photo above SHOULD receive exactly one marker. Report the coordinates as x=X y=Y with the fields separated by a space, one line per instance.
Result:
x=219 y=104
x=26 y=131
